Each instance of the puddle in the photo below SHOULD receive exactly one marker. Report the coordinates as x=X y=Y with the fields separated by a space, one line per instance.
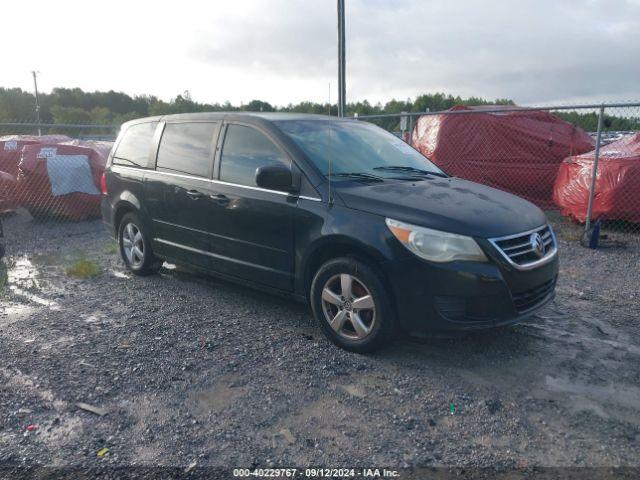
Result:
x=599 y=399
x=217 y=398
x=22 y=272
x=34 y=298
x=353 y=390
x=332 y=423
x=625 y=396
x=14 y=312
x=21 y=277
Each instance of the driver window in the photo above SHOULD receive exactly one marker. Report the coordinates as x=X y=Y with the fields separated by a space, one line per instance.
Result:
x=244 y=150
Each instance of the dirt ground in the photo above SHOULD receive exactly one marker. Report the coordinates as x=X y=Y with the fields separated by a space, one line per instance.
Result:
x=191 y=370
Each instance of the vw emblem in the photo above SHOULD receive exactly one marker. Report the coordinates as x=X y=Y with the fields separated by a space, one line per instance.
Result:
x=537 y=245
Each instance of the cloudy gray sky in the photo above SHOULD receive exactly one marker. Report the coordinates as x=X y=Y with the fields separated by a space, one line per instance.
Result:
x=282 y=51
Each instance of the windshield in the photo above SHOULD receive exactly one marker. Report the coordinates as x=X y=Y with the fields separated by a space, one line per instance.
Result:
x=356 y=147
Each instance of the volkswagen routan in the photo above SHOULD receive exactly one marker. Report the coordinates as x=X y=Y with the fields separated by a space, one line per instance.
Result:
x=335 y=212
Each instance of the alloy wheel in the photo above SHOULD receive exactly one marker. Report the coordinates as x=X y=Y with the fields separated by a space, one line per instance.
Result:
x=348 y=307
x=133 y=244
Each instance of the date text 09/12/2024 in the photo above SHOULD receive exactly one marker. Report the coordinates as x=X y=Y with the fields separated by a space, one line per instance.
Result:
x=316 y=472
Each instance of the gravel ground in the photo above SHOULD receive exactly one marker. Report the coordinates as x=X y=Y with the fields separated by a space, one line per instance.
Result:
x=191 y=370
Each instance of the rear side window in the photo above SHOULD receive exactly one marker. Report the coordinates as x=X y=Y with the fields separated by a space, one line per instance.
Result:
x=245 y=149
x=186 y=148
x=133 y=149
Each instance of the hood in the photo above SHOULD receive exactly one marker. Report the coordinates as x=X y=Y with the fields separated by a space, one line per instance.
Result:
x=448 y=204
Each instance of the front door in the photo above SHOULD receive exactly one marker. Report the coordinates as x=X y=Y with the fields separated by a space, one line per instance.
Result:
x=251 y=228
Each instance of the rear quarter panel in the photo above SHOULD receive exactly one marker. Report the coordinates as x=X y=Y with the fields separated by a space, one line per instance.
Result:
x=125 y=187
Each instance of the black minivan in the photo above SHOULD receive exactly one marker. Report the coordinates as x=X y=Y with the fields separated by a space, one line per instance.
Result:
x=336 y=212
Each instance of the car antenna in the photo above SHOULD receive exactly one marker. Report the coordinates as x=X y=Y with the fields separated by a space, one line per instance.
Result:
x=330 y=204
x=330 y=161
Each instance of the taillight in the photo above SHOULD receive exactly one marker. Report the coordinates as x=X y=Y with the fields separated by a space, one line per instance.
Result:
x=103 y=183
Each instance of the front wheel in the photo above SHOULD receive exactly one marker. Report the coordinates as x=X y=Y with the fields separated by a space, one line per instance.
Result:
x=351 y=305
x=135 y=248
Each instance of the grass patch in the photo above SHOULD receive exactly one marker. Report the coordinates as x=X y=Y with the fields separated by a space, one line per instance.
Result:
x=4 y=274
x=564 y=227
x=111 y=248
x=571 y=236
x=84 y=268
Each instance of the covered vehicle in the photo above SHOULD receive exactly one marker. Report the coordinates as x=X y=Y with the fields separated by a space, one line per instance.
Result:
x=62 y=179
x=515 y=150
x=11 y=148
x=617 y=192
x=7 y=192
x=102 y=147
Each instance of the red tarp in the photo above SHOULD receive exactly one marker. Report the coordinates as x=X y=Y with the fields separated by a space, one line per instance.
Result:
x=11 y=148
x=102 y=147
x=515 y=150
x=7 y=189
x=617 y=193
x=34 y=186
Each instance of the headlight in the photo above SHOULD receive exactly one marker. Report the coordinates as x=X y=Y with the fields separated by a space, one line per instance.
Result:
x=434 y=245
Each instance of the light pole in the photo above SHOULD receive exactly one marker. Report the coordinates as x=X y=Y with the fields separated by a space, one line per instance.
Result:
x=342 y=89
x=35 y=87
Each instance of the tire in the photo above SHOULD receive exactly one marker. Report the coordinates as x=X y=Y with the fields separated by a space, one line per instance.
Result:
x=359 y=330
x=135 y=249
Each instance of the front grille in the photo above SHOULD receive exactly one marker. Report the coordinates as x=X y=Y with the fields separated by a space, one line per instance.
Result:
x=473 y=309
x=529 y=299
x=519 y=249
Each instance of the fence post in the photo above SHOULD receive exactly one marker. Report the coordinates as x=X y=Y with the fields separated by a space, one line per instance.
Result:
x=411 y=130
x=594 y=173
x=403 y=124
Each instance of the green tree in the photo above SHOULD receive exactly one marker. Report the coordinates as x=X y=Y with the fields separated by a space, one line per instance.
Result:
x=258 y=106
x=16 y=105
x=73 y=105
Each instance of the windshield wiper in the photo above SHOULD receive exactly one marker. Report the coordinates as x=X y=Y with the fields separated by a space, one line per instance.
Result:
x=417 y=171
x=360 y=176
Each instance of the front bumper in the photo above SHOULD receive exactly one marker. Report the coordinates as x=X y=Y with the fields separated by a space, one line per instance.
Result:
x=467 y=295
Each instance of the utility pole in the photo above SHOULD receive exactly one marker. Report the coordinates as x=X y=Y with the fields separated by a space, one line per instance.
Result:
x=35 y=87
x=342 y=90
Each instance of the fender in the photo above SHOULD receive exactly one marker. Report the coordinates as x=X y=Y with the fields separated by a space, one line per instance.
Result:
x=129 y=201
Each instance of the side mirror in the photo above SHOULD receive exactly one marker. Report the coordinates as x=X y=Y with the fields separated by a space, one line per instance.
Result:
x=275 y=177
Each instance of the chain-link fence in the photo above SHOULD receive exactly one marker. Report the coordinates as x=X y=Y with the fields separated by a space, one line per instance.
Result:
x=49 y=195
x=78 y=131
x=580 y=164
x=53 y=171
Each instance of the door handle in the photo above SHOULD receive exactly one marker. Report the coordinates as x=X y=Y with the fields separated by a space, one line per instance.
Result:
x=219 y=198
x=194 y=194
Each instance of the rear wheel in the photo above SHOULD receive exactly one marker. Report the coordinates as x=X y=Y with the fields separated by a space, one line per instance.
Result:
x=135 y=248
x=350 y=303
